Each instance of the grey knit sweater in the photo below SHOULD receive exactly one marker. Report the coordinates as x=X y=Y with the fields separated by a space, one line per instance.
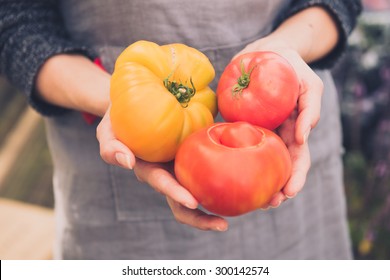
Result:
x=31 y=31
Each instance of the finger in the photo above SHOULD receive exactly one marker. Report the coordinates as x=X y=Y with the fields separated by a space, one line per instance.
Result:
x=112 y=150
x=277 y=199
x=300 y=157
x=157 y=176
x=287 y=130
x=309 y=106
x=197 y=218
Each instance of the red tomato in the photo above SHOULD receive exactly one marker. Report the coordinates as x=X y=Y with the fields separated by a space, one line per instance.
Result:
x=260 y=88
x=233 y=168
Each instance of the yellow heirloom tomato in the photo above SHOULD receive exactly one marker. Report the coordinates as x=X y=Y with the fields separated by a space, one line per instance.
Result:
x=160 y=95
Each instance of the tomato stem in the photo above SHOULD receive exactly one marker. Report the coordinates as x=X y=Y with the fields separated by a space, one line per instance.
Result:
x=182 y=92
x=243 y=81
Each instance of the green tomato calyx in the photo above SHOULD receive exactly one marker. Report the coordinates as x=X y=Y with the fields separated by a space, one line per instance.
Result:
x=182 y=92
x=243 y=81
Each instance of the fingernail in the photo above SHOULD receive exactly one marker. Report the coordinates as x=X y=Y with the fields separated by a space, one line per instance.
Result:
x=124 y=160
x=306 y=135
x=222 y=229
x=290 y=196
x=190 y=206
x=277 y=205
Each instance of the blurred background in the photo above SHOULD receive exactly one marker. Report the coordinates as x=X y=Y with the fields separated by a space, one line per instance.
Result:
x=363 y=79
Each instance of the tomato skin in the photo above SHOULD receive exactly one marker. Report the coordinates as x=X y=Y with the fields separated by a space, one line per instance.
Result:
x=144 y=114
x=270 y=96
x=228 y=172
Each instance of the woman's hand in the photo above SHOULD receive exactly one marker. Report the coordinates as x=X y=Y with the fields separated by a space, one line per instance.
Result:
x=305 y=37
x=160 y=177
x=295 y=130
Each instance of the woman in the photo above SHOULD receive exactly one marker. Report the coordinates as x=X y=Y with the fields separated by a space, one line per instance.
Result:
x=102 y=210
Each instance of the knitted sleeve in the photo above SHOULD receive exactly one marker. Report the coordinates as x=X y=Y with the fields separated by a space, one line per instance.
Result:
x=345 y=14
x=32 y=31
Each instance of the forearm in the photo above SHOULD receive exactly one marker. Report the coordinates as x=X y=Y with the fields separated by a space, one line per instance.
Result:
x=31 y=32
x=74 y=82
x=312 y=32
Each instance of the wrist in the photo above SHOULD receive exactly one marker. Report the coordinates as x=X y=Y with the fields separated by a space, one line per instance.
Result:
x=273 y=44
x=312 y=33
x=281 y=44
x=73 y=81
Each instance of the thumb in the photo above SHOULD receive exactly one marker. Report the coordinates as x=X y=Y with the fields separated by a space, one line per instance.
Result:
x=112 y=150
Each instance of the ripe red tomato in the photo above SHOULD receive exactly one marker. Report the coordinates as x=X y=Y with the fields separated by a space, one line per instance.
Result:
x=233 y=168
x=260 y=88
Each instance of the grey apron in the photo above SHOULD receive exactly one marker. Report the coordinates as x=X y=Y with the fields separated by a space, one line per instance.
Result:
x=104 y=212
